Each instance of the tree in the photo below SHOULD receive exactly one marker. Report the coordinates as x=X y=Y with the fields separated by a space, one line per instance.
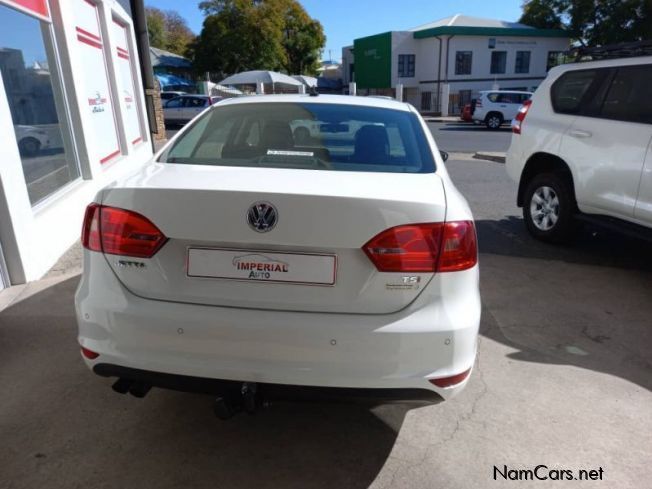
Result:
x=593 y=22
x=240 y=35
x=168 y=30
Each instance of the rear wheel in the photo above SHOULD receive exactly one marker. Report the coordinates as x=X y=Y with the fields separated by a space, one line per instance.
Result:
x=494 y=120
x=29 y=146
x=548 y=208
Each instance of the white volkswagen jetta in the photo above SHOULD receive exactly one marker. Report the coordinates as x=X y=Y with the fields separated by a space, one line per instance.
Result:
x=245 y=263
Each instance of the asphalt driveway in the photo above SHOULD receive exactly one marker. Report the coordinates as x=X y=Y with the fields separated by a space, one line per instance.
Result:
x=563 y=378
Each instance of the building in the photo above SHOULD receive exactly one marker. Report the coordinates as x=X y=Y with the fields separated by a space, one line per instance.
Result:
x=73 y=110
x=443 y=64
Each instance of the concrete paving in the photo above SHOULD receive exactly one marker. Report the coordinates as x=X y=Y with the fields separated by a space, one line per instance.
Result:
x=563 y=378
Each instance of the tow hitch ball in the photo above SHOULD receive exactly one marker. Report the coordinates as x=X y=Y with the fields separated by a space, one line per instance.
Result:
x=230 y=404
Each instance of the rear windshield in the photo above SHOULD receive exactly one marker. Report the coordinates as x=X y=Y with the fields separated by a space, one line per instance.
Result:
x=306 y=136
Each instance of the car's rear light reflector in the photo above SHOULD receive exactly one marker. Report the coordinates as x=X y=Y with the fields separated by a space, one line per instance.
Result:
x=517 y=123
x=459 y=247
x=90 y=354
x=120 y=232
x=430 y=247
x=450 y=381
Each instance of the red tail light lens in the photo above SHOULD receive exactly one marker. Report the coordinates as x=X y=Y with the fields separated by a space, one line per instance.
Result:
x=443 y=247
x=90 y=354
x=517 y=123
x=120 y=232
x=450 y=381
x=91 y=229
x=459 y=247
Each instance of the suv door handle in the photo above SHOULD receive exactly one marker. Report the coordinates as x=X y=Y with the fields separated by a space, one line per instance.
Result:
x=577 y=133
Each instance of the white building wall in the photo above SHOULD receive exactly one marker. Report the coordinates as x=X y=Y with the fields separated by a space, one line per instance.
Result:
x=481 y=76
x=34 y=237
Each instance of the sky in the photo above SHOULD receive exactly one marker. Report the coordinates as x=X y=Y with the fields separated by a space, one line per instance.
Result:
x=345 y=20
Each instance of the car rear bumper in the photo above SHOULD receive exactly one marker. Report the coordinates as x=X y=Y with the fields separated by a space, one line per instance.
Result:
x=268 y=392
x=434 y=337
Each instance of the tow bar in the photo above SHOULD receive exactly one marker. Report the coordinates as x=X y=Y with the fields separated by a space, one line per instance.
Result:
x=248 y=400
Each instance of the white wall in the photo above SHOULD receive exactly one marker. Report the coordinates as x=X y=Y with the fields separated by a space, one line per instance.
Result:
x=44 y=232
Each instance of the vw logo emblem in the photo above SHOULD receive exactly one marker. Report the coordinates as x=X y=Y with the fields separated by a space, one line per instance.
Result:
x=262 y=217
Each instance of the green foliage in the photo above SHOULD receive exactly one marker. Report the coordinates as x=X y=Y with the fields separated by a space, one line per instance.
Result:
x=168 y=30
x=594 y=22
x=240 y=35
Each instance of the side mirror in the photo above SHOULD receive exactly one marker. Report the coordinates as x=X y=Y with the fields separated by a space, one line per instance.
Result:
x=444 y=155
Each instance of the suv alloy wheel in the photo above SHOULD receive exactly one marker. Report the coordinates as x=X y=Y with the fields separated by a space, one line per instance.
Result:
x=548 y=208
x=494 y=120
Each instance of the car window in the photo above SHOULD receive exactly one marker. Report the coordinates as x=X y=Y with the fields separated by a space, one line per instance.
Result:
x=174 y=103
x=570 y=89
x=307 y=136
x=628 y=96
x=195 y=102
x=509 y=98
x=493 y=97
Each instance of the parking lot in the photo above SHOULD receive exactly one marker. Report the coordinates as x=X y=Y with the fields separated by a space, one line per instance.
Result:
x=563 y=379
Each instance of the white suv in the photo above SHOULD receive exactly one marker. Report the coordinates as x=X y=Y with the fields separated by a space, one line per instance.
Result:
x=581 y=148
x=494 y=108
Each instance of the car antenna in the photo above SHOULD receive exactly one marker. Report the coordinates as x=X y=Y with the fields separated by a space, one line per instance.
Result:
x=313 y=92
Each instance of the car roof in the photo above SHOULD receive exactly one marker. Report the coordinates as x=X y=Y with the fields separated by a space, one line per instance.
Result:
x=320 y=99
x=603 y=63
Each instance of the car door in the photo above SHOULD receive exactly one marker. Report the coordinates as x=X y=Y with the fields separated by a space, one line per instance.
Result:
x=193 y=106
x=607 y=142
x=509 y=104
x=643 y=211
x=172 y=109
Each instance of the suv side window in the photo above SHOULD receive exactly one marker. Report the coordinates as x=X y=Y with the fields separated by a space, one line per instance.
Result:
x=492 y=97
x=628 y=98
x=175 y=103
x=570 y=89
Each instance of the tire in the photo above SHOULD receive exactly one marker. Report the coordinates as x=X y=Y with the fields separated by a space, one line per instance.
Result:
x=548 y=208
x=29 y=146
x=494 y=120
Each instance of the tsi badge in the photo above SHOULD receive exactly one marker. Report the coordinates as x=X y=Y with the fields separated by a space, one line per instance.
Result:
x=408 y=282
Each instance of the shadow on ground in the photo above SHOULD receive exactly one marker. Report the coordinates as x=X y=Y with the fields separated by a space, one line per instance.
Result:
x=61 y=426
x=588 y=304
x=467 y=126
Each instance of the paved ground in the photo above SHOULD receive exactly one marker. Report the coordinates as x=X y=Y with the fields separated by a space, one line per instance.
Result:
x=563 y=378
x=464 y=137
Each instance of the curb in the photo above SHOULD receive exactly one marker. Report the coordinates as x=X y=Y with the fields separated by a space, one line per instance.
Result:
x=490 y=156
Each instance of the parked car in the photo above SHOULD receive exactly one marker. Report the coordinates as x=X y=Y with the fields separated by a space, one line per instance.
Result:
x=167 y=95
x=581 y=148
x=182 y=109
x=31 y=139
x=496 y=107
x=244 y=264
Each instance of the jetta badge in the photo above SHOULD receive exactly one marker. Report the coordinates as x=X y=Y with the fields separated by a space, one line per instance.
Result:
x=262 y=217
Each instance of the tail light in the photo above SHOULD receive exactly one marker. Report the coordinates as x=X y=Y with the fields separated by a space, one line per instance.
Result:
x=517 y=123
x=90 y=354
x=450 y=381
x=478 y=102
x=432 y=247
x=120 y=232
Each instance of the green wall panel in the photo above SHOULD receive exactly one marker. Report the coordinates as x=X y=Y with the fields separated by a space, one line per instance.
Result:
x=373 y=61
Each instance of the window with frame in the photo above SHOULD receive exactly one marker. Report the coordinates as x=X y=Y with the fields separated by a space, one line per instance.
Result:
x=463 y=62
x=498 y=62
x=569 y=91
x=37 y=104
x=628 y=98
x=406 y=65
x=522 y=64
